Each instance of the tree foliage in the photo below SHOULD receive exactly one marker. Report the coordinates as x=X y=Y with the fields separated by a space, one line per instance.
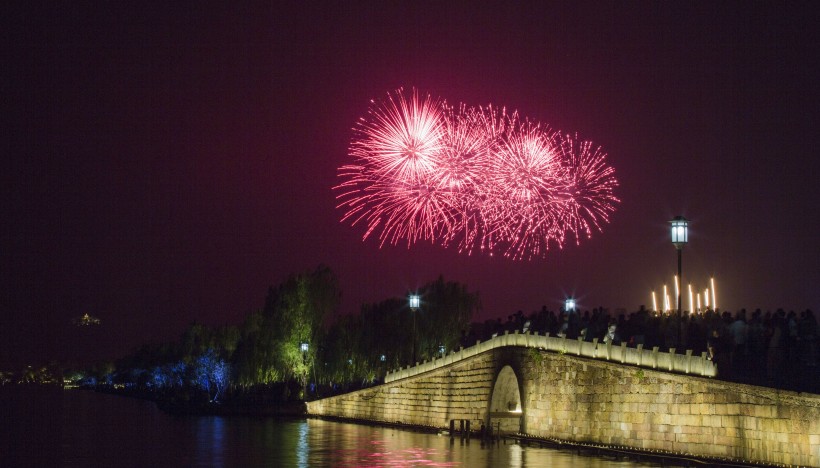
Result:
x=211 y=374
x=270 y=349
x=266 y=348
x=356 y=345
x=445 y=314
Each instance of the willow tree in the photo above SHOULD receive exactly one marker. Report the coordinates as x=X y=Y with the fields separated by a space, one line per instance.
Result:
x=270 y=347
x=356 y=344
x=444 y=316
x=296 y=310
x=255 y=359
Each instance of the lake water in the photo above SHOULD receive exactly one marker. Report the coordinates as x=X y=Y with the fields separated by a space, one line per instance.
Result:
x=46 y=427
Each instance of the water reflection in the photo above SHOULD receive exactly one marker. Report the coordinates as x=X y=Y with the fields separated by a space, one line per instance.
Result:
x=516 y=456
x=103 y=430
x=302 y=447
x=341 y=444
x=210 y=441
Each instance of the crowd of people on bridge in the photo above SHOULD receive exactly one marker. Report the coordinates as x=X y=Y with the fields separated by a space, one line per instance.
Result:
x=767 y=348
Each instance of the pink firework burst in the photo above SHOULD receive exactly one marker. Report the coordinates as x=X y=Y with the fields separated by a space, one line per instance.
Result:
x=526 y=185
x=393 y=186
x=402 y=139
x=463 y=173
x=590 y=186
x=477 y=178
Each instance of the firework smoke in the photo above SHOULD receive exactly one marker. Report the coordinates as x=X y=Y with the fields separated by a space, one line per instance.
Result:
x=475 y=178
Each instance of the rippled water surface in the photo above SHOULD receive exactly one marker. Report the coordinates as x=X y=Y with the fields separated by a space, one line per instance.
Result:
x=51 y=427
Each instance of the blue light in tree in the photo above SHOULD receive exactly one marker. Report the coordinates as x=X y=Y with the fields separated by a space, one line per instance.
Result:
x=211 y=374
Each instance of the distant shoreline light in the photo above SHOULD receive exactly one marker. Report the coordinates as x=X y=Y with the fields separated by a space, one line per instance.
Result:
x=85 y=321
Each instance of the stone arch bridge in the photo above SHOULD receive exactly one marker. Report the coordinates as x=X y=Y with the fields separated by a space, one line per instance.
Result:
x=586 y=392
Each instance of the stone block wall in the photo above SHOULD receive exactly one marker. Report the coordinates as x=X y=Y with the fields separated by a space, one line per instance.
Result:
x=583 y=400
x=458 y=391
x=593 y=401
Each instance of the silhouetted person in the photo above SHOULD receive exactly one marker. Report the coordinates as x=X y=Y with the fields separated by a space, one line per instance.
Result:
x=807 y=336
x=738 y=330
x=775 y=355
x=719 y=350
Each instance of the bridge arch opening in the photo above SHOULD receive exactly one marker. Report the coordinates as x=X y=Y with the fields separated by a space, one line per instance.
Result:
x=506 y=412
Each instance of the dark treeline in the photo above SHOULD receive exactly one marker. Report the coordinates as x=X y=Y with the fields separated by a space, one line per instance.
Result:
x=288 y=347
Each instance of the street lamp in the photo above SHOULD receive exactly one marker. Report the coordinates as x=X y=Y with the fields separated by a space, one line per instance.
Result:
x=415 y=303
x=569 y=304
x=304 y=348
x=680 y=236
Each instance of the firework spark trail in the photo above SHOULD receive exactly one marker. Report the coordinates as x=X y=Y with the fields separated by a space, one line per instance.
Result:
x=520 y=184
x=404 y=138
x=474 y=177
x=392 y=186
x=463 y=169
x=590 y=185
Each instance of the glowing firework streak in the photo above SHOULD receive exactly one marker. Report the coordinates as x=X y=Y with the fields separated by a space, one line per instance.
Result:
x=677 y=291
x=476 y=178
x=714 y=295
x=696 y=305
x=691 y=300
x=588 y=193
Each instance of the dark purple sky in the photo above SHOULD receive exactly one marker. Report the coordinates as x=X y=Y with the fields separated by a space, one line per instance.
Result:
x=167 y=164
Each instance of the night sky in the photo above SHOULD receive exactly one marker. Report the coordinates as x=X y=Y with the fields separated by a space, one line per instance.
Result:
x=165 y=164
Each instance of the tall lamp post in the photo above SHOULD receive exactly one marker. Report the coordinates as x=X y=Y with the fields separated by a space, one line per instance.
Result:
x=415 y=302
x=680 y=236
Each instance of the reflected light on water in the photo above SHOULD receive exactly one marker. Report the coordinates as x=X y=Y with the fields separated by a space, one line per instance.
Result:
x=516 y=457
x=302 y=446
x=342 y=444
x=211 y=440
x=79 y=428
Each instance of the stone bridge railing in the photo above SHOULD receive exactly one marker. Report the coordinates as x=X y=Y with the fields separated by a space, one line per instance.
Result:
x=654 y=359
